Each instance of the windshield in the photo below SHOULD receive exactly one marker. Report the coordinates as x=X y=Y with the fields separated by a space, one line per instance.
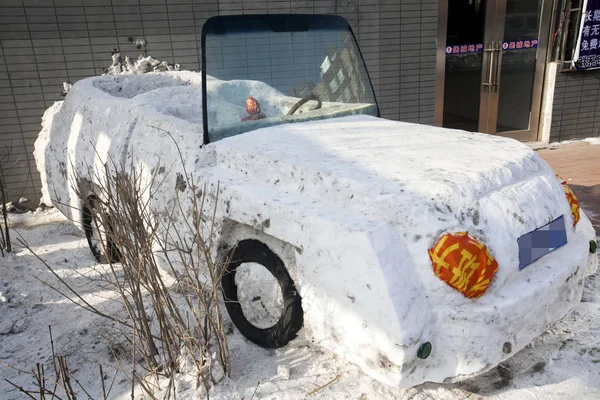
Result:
x=265 y=70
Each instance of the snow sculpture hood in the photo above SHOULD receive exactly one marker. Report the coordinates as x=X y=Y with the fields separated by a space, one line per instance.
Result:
x=387 y=157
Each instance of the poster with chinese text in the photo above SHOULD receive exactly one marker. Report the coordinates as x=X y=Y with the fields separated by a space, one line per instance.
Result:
x=587 y=52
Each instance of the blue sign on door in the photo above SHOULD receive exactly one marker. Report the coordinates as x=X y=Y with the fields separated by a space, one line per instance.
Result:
x=587 y=54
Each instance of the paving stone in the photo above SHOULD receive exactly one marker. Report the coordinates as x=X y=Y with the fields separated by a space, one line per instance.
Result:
x=579 y=165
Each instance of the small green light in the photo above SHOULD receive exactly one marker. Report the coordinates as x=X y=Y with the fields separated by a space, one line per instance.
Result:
x=593 y=246
x=424 y=350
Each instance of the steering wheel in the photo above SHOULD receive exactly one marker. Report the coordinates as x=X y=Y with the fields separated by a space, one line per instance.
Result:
x=304 y=99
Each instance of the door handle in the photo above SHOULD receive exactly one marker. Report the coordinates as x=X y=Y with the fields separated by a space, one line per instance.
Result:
x=495 y=80
x=488 y=63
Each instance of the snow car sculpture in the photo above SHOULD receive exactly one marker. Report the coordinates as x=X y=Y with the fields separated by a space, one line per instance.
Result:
x=418 y=253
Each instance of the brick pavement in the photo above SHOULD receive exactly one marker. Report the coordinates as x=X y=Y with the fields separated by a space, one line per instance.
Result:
x=579 y=164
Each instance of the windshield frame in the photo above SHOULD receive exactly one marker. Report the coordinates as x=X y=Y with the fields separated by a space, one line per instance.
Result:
x=279 y=23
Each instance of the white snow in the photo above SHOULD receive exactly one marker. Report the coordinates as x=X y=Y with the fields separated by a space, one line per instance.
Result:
x=141 y=65
x=563 y=363
x=590 y=140
x=259 y=295
x=351 y=205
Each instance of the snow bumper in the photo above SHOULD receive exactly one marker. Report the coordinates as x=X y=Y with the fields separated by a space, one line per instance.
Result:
x=475 y=336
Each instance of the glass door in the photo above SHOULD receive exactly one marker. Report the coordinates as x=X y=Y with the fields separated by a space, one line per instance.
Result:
x=464 y=56
x=520 y=75
x=491 y=65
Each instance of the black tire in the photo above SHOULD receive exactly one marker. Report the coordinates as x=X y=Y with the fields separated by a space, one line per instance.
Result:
x=90 y=225
x=292 y=316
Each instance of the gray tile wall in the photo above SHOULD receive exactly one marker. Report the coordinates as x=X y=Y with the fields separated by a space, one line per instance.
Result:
x=576 y=108
x=46 y=42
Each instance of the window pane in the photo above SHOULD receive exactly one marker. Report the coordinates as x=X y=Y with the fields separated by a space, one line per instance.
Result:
x=464 y=59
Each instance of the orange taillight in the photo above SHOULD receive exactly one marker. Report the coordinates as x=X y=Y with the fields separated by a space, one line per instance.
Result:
x=573 y=201
x=463 y=263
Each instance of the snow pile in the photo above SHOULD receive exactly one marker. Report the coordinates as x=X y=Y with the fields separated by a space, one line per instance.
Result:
x=351 y=205
x=125 y=65
x=180 y=95
x=590 y=140
x=259 y=295
x=142 y=65
x=563 y=363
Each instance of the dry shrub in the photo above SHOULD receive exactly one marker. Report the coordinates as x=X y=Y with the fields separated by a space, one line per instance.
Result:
x=169 y=329
x=58 y=383
x=172 y=330
x=5 y=244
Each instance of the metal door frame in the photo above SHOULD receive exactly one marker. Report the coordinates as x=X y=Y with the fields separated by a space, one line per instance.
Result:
x=493 y=37
x=492 y=59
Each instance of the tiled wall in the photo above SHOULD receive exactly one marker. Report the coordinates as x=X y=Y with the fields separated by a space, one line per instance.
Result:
x=406 y=60
x=46 y=42
x=576 y=108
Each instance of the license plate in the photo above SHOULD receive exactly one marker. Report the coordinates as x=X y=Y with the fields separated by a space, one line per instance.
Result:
x=542 y=241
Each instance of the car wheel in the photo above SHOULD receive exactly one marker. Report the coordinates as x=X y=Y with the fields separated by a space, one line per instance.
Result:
x=103 y=249
x=260 y=295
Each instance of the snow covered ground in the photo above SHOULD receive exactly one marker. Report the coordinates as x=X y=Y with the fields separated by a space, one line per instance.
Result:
x=564 y=363
x=590 y=140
